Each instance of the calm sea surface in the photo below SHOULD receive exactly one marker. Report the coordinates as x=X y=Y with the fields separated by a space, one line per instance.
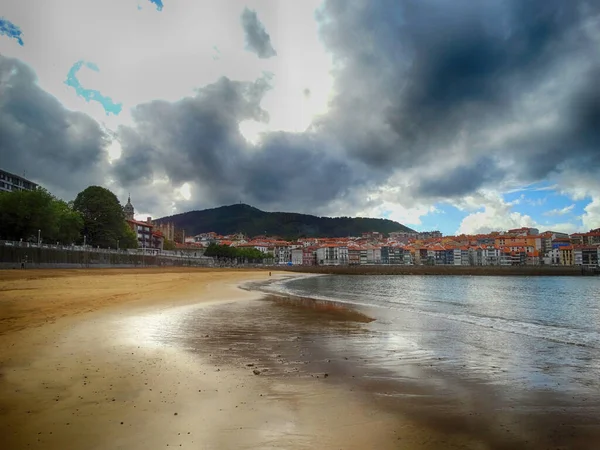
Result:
x=527 y=333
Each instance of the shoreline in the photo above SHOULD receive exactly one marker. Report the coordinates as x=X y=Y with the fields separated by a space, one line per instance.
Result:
x=569 y=271
x=87 y=371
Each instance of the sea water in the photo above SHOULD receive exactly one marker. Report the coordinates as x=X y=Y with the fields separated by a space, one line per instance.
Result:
x=528 y=333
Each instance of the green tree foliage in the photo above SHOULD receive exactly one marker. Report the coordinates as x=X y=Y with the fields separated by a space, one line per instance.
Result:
x=23 y=213
x=169 y=245
x=104 y=221
x=225 y=251
x=129 y=238
x=70 y=222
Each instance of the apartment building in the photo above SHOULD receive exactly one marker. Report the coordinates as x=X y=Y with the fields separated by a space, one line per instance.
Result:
x=10 y=182
x=332 y=255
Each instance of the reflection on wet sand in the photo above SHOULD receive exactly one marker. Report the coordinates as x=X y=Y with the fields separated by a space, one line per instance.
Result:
x=104 y=381
x=290 y=338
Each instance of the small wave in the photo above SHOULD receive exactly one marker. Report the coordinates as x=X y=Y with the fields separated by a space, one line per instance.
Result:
x=562 y=335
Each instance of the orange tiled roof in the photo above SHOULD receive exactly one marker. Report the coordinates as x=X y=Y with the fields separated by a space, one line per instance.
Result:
x=137 y=222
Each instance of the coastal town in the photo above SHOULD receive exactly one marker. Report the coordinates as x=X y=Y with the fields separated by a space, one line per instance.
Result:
x=513 y=247
x=523 y=246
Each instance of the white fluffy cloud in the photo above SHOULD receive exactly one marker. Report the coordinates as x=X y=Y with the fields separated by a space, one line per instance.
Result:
x=144 y=55
x=493 y=213
x=496 y=215
x=560 y=211
x=591 y=217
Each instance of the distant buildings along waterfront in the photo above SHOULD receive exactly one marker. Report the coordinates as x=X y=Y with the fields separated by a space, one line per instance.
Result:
x=516 y=247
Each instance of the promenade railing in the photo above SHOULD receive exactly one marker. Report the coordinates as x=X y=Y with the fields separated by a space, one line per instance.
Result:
x=24 y=252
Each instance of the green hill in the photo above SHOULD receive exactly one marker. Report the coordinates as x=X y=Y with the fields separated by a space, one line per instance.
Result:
x=251 y=221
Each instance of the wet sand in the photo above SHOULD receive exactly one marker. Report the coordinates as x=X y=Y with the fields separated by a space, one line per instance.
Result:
x=324 y=344
x=85 y=363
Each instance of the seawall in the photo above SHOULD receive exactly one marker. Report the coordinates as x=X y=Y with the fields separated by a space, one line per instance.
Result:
x=444 y=270
x=12 y=257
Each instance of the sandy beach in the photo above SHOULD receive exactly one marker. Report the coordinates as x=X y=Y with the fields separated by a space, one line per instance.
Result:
x=79 y=370
x=185 y=358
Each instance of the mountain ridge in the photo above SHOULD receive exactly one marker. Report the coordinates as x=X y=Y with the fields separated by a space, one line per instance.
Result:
x=243 y=218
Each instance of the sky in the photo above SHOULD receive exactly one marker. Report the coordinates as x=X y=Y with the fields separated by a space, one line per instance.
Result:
x=460 y=116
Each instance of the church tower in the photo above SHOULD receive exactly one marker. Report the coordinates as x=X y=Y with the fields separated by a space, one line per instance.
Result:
x=128 y=209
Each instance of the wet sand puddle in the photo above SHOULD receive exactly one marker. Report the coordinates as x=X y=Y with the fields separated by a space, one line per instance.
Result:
x=290 y=338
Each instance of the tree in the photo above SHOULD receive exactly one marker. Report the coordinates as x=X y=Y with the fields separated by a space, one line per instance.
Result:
x=25 y=213
x=103 y=218
x=169 y=245
x=70 y=222
x=129 y=238
x=225 y=251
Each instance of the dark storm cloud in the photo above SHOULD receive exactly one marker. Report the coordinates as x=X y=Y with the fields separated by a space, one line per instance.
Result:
x=462 y=180
x=573 y=144
x=295 y=168
x=414 y=78
x=422 y=88
x=60 y=149
x=257 y=38
x=441 y=94
x=197 y=140
x=585 y=116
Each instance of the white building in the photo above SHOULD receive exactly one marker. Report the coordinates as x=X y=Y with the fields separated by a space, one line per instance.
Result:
x=297 y=254
x=10 y=183
x=332 y=255
x=374 y=255
x=343 y=255
x=461 y=257
x=262 y=247
x=282 y=253
x=577 y=256
x=485 y=256
x=506 y=259
x=554 y=256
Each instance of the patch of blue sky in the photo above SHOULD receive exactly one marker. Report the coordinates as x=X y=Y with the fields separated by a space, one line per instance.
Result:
x=446 y=219
x=547 y=207
x=7 y=28
x=91 y=94
x=537 y=203
x=531 y=199
x=158 y=3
